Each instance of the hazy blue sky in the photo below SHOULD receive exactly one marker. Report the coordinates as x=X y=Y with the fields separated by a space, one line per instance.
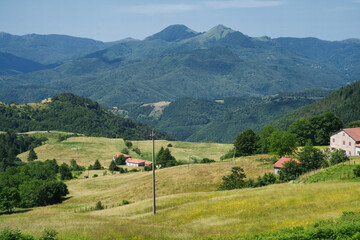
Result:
x=109 y=20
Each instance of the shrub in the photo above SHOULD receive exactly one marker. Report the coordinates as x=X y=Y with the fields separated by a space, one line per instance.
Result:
x=48 y=234
x=128 y=144
x=234 y=180
x=125 y=202
x=99 y=206
x=121 y=170
x=137 y=150
x=95 y=175
x=169 y=145
x=134 y=170
x=65 y=172
x=338 y=156
x=207 y=160
x=125 y=151
x=148 y=168
x=120 y=160
x=357 y=171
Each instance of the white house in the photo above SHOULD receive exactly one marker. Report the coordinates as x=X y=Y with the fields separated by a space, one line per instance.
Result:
x=347 y=139
x=137 y=162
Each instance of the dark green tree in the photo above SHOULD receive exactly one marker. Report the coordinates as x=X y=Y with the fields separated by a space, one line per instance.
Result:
x=165 y=159
x=113 y=167
x=9 y=198
x=125 y=151
x=282 y=143
x=310 y=157
x=137 y=150
x=303 y=130
x=120 y=160
x=291 y=170
x=32 y=155
x=65 y=172
x=246 y=142
x=324 y=125
x=264 y=142
x=356 y=171
x=97 y=165
x=128 y=144
x=233 y=181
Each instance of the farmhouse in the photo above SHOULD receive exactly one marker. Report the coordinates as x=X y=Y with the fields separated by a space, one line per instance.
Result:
x=137 y=162
x=118 y=155
x=347 y=139
x=281 y=163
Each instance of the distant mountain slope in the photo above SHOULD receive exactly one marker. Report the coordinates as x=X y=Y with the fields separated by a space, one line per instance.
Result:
x=178 y=62
x=344 y=103
x=70 y=113
x=11 y=64
x=206 y=73
x=48 y=49
x=199 y=120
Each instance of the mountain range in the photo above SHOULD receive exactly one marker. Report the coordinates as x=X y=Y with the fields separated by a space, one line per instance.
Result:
x=178 y=62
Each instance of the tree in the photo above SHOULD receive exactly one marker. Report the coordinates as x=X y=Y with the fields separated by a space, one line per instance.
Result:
x=233 y=181
x=128 y=144
x=65 y=172
x=120 y=160
x=137 y=150
x=282 y=143
x=356 y=171
x=303 y=130
x=324 y=125
x=338 y=156
x=32 y=155
x=9 y=198
x=245 y=143
x=310 y=157
x=291 y=170
x=113 y=167
x=165 y=159
x=264 y=142
x=125 y=151
x=97 y=165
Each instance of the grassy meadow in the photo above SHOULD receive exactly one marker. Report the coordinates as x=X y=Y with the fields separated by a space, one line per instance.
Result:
x=188 y=205
x=85 y=150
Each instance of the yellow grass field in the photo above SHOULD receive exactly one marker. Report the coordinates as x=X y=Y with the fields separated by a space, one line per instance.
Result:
x=188 y=205
x=85 y=150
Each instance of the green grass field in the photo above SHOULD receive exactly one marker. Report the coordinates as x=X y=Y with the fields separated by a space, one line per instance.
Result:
x=188 y=205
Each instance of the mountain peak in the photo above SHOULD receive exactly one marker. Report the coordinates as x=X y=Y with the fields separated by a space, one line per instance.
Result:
x=174 y=33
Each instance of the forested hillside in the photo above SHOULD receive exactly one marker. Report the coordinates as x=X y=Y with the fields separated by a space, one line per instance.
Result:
x=70 y=113
x=344 y=103
x=178 y=62
x=191 y=119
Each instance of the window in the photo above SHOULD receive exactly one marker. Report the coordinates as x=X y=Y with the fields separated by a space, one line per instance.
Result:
x=343 y=134
x=350 y=153
x=343 y=142
x=349 y=143
x=333 y=139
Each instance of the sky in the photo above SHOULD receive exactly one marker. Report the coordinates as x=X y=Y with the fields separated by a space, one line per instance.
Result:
x=111 y=20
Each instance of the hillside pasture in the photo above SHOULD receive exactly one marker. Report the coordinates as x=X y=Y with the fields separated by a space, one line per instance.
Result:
x=191 y=215
x=85 y=150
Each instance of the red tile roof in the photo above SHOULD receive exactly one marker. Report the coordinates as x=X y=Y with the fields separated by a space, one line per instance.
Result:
x=125 y=155
x=133 y=160
x=280 y=163
x=148 y=163
x=354 y=133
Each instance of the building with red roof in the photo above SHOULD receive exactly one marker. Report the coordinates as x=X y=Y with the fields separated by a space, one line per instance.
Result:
x=137 y=162
x=281 y=163
x=347 y=139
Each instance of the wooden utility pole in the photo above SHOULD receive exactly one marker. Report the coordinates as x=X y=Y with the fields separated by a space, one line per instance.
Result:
x=153 y=170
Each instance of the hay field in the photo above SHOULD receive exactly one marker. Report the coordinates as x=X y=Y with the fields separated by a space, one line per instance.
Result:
x=85 y=150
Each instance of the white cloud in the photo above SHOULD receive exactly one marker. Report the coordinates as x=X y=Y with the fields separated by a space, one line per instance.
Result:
x=243 y=4
x=159 y=8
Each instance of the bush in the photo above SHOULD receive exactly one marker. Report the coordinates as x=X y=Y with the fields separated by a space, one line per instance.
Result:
x=148 y=168
x=357 y=171
x=8 y=234
x=128 y=144
x=125 y=202
x=95 y=175
x=125 y=151
x=48 y=234
x=120 y=160
x=65 y=172
x=99 y=206
x=235 y=180
x=121 y=170
x=338 y=156
x=169 y=145
x=137 y=150
x=207 y=160
x=134 y=170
